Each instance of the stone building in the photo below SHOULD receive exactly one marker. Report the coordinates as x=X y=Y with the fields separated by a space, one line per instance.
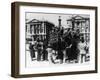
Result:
x=81 y=23
x=38 y=29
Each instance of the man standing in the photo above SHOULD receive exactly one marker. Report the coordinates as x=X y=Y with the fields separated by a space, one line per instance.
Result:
x=50 y=51
x=39 y=50
x=32 y=51
x=44 y=53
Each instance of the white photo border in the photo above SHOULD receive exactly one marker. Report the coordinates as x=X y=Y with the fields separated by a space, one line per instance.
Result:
x=23 y=70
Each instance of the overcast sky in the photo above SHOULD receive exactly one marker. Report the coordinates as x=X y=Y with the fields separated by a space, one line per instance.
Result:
x=51 y=17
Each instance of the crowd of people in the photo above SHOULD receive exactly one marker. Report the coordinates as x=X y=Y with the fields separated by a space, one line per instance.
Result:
x=69 y=47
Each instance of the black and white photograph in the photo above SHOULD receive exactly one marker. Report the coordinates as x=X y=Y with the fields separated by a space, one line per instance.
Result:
x=52 y=39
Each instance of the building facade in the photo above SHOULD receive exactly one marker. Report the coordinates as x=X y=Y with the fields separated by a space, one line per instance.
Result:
x=36 y=29
x=81 y=23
